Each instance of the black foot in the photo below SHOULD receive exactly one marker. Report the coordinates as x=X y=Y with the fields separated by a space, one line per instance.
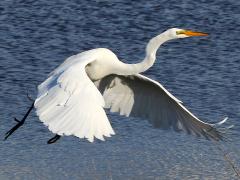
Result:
x=54 y=139
x=19 y=123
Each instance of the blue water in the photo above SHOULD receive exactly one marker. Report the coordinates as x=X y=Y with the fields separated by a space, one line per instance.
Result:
x=36 y=36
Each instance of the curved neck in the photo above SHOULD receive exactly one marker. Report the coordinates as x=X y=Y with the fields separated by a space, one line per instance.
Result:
x=151 y=49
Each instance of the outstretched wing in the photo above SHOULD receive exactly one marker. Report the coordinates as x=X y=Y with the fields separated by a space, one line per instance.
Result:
x=139 y=96
x=70 y=104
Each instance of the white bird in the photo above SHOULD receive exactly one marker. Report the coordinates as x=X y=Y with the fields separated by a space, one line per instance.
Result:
x=72 y=99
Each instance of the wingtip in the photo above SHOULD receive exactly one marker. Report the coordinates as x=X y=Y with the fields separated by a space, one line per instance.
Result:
x=221 y=122
x=222 y=131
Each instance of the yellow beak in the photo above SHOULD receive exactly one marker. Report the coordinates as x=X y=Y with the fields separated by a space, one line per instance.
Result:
x=192 y=33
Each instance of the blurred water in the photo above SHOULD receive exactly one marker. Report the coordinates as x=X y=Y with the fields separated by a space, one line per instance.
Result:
x=36 y=36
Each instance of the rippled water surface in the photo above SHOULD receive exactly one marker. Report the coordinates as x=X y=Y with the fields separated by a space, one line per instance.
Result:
x=36 y=36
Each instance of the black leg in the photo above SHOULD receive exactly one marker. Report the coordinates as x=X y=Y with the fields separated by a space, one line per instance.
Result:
x=54 y=139
x=20 y=122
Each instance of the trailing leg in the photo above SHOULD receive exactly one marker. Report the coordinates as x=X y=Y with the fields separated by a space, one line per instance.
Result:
x=54 y=139
x=19 y=122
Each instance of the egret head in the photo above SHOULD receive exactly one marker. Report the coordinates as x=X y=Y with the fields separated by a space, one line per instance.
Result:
x=182 y=33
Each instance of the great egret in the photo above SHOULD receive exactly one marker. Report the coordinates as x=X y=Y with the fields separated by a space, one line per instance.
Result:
x=72 y=99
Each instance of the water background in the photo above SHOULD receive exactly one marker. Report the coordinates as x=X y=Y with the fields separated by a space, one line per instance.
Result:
x=36 y=36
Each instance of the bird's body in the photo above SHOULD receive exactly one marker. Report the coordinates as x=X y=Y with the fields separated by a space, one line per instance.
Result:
x=106 y=62
x=72 y=100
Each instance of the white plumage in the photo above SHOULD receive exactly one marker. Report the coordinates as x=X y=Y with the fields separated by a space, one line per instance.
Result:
x=71 y=100
x=70 y=104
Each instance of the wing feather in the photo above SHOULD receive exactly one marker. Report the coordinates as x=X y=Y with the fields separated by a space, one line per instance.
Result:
x=148 y=99
x=70 y=104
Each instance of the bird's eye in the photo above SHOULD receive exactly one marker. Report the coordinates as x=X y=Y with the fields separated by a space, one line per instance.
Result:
x=179 y=32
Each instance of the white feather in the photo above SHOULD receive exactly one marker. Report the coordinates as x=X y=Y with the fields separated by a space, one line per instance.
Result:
x=70 y=104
